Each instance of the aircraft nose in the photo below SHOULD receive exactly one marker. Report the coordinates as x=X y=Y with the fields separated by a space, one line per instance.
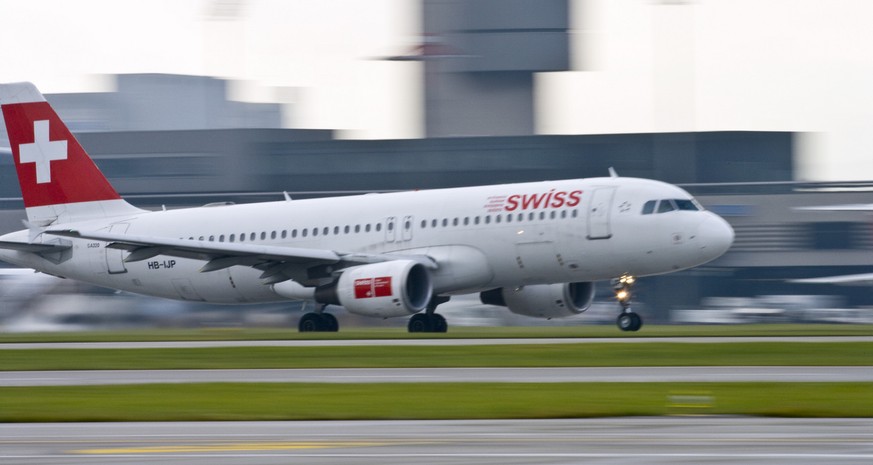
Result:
x=717 y=236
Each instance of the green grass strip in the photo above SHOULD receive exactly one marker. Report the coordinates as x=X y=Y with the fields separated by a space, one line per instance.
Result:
x=455 y=332
x=240 y=401
x=534 y=355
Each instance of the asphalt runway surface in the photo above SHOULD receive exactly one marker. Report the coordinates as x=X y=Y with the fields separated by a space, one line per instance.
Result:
x=435 y=375
x=619 y=441
x=421 y=342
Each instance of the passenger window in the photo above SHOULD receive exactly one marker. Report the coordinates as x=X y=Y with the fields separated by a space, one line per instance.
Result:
x=304 y=232
x=357 y=228
x=252 y=236
x=488 y=219
x=336 y=230
x=665 y=206
x=575 y=213
x=509 y=218
x=346 y=229
x=530 y=216
x=378 y=227
x=272 y=234
x=284 y=233
x=433 y=223
x=242 y=237
x=221 y=238
x=649 y=207
x=445 y=222
x=476 y=220
x=232 y=238
x=466 y=221
x=293 y=233
x=542 y=216
x=314 y=232
x=496 y=218
x=367 y=228
x=563 y=214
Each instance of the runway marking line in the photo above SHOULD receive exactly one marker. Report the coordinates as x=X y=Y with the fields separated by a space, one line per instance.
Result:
x=240 y=447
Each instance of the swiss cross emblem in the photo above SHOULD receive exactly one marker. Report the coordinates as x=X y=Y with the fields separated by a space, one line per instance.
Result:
x=42 y=151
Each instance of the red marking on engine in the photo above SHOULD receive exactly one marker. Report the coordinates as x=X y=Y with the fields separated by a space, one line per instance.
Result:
x=366 y=288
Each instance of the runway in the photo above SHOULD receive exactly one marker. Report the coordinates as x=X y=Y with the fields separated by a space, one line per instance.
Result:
x=651 y=441
x=421 y=342
x=795 y=374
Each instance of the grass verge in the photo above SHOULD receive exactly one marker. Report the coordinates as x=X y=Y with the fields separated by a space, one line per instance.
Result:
x=455 y=332
x=240 y=401
x=533 y=355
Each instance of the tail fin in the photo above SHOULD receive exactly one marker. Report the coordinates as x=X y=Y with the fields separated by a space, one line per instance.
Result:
x=59 y=181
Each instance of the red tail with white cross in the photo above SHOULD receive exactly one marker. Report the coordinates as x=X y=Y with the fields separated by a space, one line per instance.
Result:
x=53 y=168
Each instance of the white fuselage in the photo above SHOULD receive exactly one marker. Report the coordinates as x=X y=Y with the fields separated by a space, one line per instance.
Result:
x=483 y=237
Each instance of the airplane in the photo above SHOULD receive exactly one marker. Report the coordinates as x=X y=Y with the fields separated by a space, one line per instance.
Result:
x=536 y=248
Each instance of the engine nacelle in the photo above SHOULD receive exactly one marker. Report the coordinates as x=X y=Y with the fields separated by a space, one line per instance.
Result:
x=395 y=288
x=543 y=300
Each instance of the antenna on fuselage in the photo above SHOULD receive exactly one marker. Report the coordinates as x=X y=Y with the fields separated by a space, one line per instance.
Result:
x=612 y=173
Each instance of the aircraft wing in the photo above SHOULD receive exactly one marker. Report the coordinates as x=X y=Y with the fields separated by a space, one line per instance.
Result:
x=863 y=279
x=277 y=263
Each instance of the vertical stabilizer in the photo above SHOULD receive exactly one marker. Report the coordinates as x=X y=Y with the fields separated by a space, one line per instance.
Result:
x=59 y=181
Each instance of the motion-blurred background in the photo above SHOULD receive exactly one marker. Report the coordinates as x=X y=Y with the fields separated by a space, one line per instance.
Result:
x=757 y=107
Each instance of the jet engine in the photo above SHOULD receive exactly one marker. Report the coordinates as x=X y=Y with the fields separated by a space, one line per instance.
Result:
x=394 y=288
x=543 y=300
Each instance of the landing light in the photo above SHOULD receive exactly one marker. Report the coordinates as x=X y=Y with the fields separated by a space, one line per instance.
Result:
x=622 y=295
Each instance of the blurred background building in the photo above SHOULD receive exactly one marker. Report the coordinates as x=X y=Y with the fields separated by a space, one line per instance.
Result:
x=168 y=140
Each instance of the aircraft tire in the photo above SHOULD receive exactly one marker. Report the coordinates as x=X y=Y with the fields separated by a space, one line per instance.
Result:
x=330 y=323
x=420 y=323
x=438 y=323
x=629 y=321
x=311 y=322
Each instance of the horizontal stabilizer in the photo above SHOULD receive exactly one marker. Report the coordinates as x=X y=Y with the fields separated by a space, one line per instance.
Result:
x=33 y=248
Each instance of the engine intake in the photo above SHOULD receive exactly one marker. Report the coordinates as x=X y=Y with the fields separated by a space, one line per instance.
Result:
x=543 y=300
x=387 y=289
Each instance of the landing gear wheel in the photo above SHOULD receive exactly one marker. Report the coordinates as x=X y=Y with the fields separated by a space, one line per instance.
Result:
x=629 y=321
x=318 y=322
x=427 y=323
x=439 y=323
x=330 y=323
x=419 y=323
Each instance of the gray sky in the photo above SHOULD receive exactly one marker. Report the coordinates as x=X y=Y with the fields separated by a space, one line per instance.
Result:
x=639 y=65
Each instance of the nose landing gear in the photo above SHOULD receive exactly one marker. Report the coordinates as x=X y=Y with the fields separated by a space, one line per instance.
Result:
x=627 y=319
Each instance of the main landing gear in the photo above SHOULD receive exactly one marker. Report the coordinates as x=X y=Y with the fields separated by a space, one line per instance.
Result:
x=627 y=320
x=318 y=321
x=429 y=321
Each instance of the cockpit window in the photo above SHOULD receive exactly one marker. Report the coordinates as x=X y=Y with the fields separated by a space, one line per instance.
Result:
x=649 y=207
x=665 y=206
x=688 y=204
